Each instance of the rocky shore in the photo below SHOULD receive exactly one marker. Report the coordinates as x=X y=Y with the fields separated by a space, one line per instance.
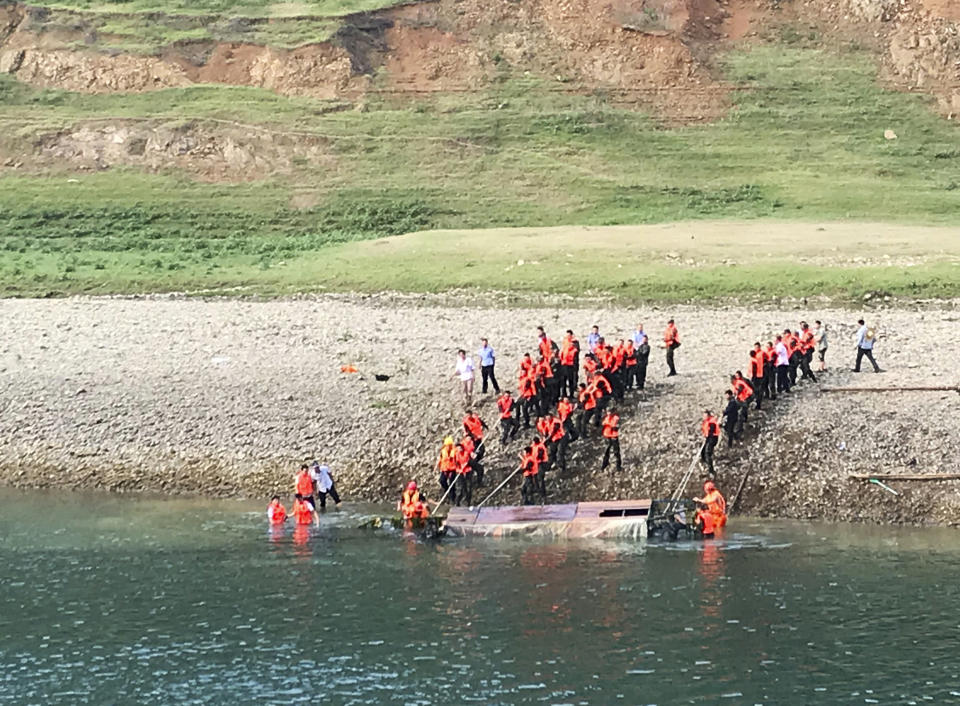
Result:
x=226 y=397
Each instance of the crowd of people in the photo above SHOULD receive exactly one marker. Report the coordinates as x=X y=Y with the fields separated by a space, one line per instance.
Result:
x=566 y=391
x=773 y=369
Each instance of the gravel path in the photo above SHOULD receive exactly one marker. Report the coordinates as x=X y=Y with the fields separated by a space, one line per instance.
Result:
x=226 y=397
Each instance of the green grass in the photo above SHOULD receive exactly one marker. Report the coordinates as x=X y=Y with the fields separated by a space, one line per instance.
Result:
x=227 y=8
x=803 y=141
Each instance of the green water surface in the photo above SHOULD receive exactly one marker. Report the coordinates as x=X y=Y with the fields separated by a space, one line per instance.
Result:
x=115 y=600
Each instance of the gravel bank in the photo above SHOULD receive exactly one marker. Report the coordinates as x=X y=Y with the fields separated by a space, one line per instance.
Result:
x=226 y=397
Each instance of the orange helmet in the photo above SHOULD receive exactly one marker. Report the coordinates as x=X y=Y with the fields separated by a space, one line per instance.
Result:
x=412 y=485
x=708 y=486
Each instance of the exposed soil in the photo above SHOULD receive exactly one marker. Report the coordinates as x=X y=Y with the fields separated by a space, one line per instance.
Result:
x=227 y=397
x=207 y=151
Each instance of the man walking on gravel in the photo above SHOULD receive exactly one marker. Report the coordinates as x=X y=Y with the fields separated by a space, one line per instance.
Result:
x=641 y=345
x=611 y=433
x=487 y=361
x=865 y=340
x=710 y=426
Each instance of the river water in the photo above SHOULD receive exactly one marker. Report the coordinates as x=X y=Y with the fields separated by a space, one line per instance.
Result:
x=115 y=600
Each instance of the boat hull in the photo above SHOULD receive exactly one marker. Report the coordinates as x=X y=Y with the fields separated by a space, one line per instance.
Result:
x=620 y=519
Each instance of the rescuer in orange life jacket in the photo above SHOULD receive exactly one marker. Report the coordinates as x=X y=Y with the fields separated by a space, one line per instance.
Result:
x=276 y=512
x=529 y=466
x=303 y=512
x=412 y=504
x=710 y=426
x=714 y=503
x=303 y=490
x=611 y=432
x=509 y=410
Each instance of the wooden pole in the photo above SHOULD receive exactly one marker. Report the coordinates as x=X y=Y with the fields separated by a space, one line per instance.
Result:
x=904 y=476
x=891 y=389
x=743 y=482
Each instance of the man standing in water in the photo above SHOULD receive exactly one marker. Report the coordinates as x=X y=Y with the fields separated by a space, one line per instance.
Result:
x=325 y=485
x=276 y=512
x=303 y=491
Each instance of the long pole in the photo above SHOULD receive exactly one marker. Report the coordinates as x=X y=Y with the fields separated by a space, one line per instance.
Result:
x=497 y=489
x=686 y=476
x=449 y=488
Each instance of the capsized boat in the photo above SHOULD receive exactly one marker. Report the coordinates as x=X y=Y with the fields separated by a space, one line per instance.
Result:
x=622 y=519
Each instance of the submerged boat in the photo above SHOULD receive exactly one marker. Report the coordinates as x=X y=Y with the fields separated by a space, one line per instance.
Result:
x=623 y=519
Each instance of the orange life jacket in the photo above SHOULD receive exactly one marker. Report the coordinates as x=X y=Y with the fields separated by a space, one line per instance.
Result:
x=601 y=386
x=544 y=370
x=304 y=484
x=707 y=519
x=586 y=397
x=448 y=461
x=418 y=510
x=526 y=365
x=528 y=388
x=564 y=409
x=770 y=355
x=630 y=353
x=716 y=504
x=710 y=426
x=546 y=348
x=302 y=512
x=756 y=364
x=544 y=427
x=277 y=513
x=611 y=424
x=540 y=454
x=408 y=502
x=529 y=464
x=590 y=365
x=557 y=431
x=474 y=426
x=568 y=352
x=742 y=389
x=505 y=405
x=462 y=461
x=806 y=340
x=671 y=335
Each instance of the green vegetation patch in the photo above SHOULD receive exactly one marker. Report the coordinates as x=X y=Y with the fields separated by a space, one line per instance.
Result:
x=804 y=141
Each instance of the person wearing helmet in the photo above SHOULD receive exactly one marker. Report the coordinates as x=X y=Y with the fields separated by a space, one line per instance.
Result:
x=412 y=504
x=447 y=465
x=715 y=503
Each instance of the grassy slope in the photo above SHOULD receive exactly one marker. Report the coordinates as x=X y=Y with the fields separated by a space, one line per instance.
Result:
x=804 y=142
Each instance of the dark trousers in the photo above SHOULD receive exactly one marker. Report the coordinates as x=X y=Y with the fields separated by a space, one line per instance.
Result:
x=476 y=469
x=541 y=481
x=486 y=373
x=508 y=428
x=642 y=361
x=868 y=354
x=616 y=383
x=585 y=418
x=770 y=378
x=673 y=369
x=527 y=405
x=332 y=493
x=706 y=453
x=807 y=373
x=560 y=449
x=528 y=488
x=570 y=428
x=568 y=380
x=464 y=488
x=794 y=364
x=730 y=429
x=446 y=478
x=758 y=386
x=742 y=416
x=783 y=378
x=631 y=377
x=613 y=445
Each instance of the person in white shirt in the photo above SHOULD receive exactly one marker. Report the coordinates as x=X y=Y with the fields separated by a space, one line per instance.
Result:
x=465 y=373
x=783 y=365
x=820 y=338
x=325 y=486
